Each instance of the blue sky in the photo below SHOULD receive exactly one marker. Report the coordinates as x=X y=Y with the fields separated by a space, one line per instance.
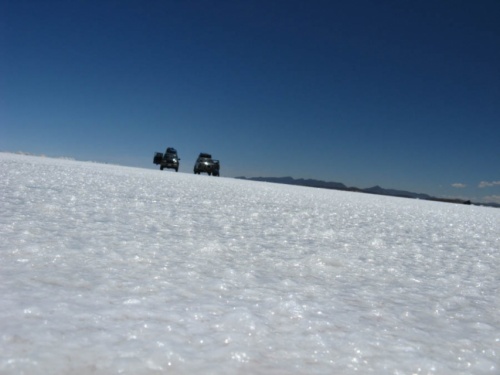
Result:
x=401 y=94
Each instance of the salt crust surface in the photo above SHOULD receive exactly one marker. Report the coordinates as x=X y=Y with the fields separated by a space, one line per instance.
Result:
x=114 y=270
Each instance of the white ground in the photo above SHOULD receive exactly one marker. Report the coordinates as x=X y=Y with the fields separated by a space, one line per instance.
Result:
x=107 y=269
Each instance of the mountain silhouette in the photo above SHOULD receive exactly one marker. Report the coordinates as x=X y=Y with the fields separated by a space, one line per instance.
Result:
x=372 y=190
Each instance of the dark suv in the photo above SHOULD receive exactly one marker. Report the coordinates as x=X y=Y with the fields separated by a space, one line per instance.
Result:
x=206 y=164
x=168 y=160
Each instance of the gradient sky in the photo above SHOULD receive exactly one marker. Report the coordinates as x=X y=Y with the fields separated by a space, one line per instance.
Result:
x=401 y=94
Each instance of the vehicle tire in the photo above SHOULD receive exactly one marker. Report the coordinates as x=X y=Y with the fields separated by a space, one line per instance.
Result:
x=177 y=169
x=161 y=168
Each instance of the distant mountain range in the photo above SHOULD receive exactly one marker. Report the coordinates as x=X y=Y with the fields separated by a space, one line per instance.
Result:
x=373 y=190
